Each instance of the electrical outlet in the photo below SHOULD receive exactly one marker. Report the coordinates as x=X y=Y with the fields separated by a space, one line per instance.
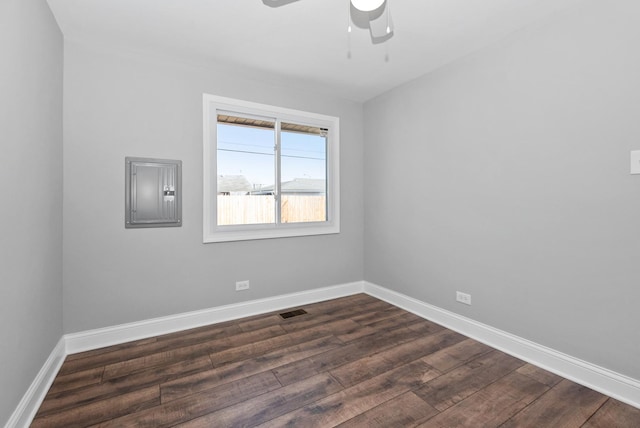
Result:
x=463 y=298
x=242 y=285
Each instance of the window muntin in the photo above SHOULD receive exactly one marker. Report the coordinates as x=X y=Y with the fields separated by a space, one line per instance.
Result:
x=269 y=172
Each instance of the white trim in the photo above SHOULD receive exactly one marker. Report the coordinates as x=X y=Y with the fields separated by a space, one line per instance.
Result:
x=32 y=399
x=99 y=338
x=618 y=386
x=271 y=231
x=608 y=382
x=211 y=232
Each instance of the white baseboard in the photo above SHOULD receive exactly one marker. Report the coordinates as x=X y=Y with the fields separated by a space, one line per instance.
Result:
x=30 y=403
x=618 y=386
x=600 y=379
x=99 y=338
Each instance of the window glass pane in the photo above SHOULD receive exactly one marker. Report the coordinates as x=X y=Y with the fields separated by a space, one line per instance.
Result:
x=247 y=163
x=303 y=174
x=246 y=171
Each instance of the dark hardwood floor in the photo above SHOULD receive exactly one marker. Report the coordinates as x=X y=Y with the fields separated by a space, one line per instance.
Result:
x=349 y=362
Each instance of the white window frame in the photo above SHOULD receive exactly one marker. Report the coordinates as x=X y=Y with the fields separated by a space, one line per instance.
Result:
x=212 y=104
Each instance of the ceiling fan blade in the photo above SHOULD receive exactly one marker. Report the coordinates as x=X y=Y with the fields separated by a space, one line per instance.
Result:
x=277 y=3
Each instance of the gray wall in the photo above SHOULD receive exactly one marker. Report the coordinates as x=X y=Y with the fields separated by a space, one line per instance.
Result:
x=506 y=175
x=31 y=176
x=119 y=104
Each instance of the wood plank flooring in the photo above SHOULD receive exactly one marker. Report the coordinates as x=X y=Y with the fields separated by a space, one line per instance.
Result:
x=349 y=362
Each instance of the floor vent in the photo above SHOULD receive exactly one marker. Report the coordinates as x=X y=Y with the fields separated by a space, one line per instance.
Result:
x=295 y=313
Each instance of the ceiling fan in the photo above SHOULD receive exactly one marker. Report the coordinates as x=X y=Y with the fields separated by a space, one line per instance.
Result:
x=366 y=14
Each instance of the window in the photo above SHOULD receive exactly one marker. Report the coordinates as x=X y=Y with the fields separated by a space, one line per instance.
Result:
x=269 y=172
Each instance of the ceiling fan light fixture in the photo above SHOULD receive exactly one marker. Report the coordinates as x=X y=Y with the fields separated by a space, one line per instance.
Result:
x=367 y=5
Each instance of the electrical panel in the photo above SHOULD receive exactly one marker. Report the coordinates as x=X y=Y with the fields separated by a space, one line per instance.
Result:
x=153 y=191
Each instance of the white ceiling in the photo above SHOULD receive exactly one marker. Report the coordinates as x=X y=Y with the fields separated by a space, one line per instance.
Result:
x=305 y=40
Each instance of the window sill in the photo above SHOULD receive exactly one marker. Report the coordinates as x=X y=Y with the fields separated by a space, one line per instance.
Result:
x=242 y=233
